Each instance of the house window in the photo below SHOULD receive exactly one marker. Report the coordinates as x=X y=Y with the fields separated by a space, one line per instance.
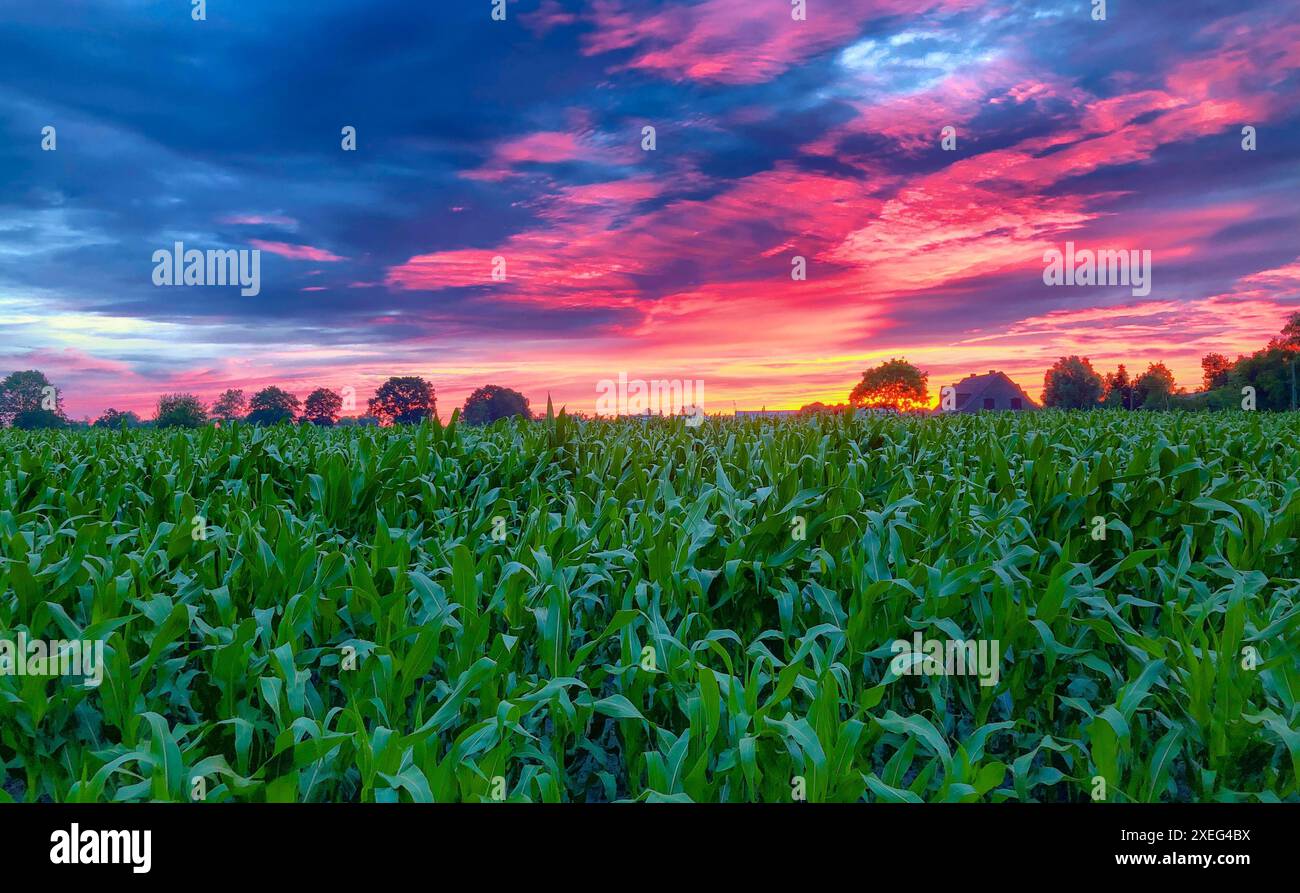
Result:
x=988 y=403
x=1015 y=403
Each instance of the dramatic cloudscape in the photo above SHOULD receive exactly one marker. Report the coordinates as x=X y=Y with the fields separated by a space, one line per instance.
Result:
x=523 y=140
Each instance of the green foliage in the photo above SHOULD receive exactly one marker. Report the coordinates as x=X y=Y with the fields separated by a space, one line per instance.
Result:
x=1269 y=372
x=112 y=418
x=30 y=402
x=274 y=403
x=1072 y=383
x=564 y=610
x=39 y=419
x=1154 y=389
x=180 y=411
x=1118 y=390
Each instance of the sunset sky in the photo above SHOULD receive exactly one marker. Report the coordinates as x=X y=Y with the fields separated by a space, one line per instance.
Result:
x=523 y=139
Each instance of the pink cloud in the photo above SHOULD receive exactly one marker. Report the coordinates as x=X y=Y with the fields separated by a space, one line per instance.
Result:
x=876 y=243
x=980 y=215
x=296 y=252
x=590 y=250
x=872 y=242
x=998 y=210
x=549 y=15
x=259 y=220
x=542 y=148
x=545 y=147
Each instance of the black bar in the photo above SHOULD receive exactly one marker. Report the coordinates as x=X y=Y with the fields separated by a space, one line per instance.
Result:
x=322 y=842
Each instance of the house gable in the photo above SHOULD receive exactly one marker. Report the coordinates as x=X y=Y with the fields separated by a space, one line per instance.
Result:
x=991 y=392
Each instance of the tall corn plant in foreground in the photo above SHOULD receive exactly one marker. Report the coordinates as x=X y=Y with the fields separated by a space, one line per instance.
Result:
x=570 y=611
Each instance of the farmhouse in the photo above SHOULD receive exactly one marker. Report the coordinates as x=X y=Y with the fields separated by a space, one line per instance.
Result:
x=993 y=391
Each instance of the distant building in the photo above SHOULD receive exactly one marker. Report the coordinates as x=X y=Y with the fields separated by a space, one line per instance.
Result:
x=766 y=413
x=993 y=391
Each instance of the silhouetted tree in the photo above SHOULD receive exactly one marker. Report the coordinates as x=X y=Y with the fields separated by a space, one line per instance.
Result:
x=272 y=405
x=180 y=411
x=403 y=401
x=1072 y=383
x=37 y=419
x=1119 y=389
x=492 y=402
x=819 y=408
x=322 y=408
x=1269 y=373
x=1154 y=388
x=1290 y=338
x=894 y=385
x=230 y=406
x=114 y=419
x=28 y=400
x=1215 y=368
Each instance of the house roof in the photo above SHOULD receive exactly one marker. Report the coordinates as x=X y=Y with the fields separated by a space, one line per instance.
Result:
x=977 y=386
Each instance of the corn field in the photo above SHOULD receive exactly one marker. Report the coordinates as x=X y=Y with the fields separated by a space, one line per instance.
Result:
x=569 y=610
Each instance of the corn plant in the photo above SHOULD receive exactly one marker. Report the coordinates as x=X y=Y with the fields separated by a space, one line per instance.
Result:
x=568 y=610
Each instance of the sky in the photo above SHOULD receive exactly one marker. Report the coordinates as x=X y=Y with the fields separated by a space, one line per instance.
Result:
x=523 y=141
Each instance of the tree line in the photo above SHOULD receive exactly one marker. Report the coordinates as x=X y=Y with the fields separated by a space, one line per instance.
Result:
x=1072 y=383
x=1265 y=379
x=1268 y=377
x=29 y=401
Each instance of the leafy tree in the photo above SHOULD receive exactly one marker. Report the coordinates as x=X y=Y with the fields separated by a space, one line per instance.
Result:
x=114 y=419
x=322 y=408
x=1154 y=388
x=28 y=400
x=819 y=408
x=272 y=405
x=180 y=411
x=1269 y=373
x=1215 y=369
x=1072 y=383
x=403 y=401
x=230 y=406
x=1119 y=389
x=894 y=385
x=1290 y=338
x=37 y=419
x=492 y=402
x=1217 y=400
